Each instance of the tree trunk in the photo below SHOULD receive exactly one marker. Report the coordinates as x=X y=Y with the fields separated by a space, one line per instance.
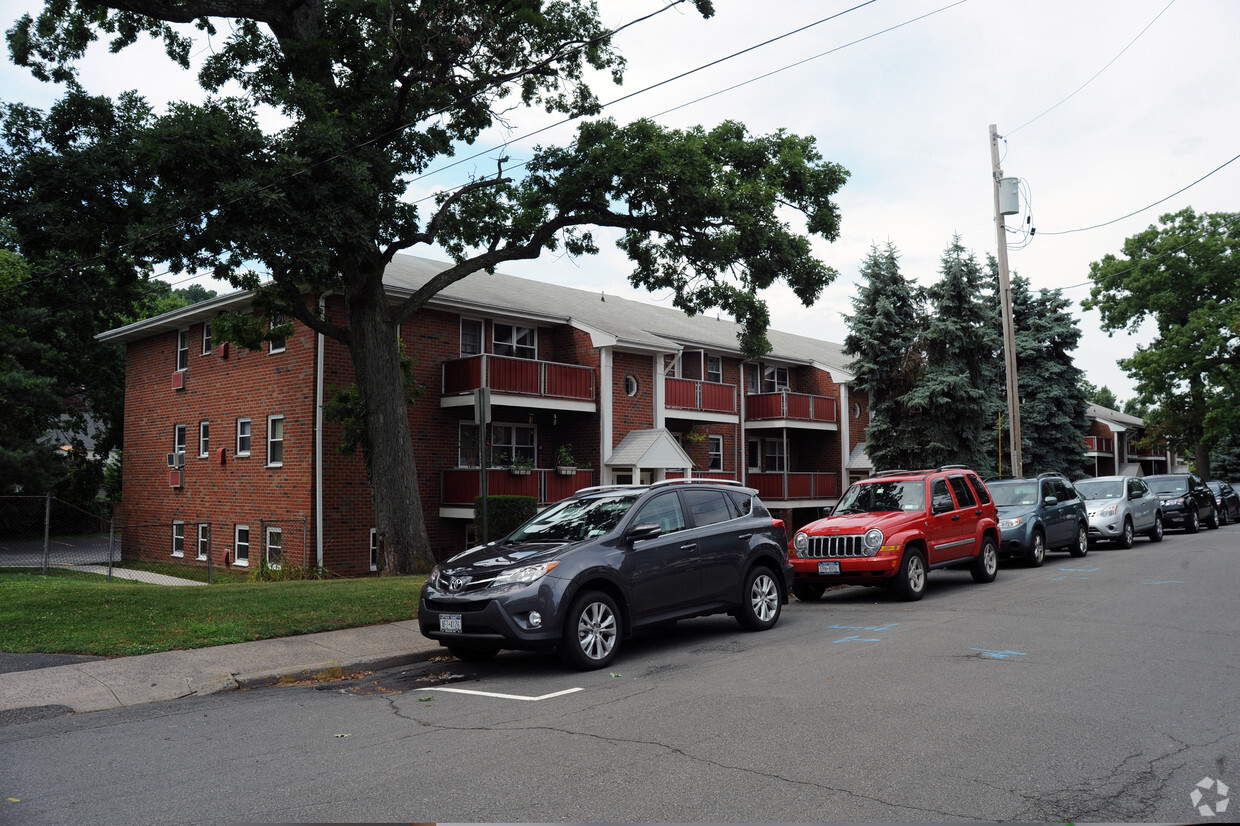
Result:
x=399 y=519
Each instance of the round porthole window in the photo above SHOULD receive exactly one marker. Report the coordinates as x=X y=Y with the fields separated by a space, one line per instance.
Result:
x=630 y=385
x=856 y=410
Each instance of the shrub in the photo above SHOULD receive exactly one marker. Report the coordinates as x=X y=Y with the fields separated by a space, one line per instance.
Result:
x=504 y=514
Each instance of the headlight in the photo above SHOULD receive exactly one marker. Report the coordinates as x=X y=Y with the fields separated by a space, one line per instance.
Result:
x=523 y=575
x=873 y=539
x=1004 y=524
x=800 y=542
x=1108 y=510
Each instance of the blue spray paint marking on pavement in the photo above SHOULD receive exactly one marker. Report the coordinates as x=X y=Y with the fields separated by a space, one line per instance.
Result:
x=1081 y=570
x=864 y=627
x=857 y=638
x=1166 y=582
x=999 y=655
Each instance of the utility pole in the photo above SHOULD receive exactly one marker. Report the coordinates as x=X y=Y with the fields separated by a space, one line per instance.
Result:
x=1005 y=301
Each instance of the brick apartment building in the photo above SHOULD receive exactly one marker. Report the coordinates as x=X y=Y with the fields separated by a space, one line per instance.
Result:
x=228 y=446
x=1114 y=445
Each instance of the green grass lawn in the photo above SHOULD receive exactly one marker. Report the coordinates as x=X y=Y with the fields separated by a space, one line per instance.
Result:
x=75 y=613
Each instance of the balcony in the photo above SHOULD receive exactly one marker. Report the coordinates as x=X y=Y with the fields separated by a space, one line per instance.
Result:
x=460 y=486
x=789 y=487
x=787 y=409
x=519 y=381
x=1099 y=444
x=700 y=397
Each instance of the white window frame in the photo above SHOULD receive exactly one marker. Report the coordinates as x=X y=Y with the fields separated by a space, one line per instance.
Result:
x=775 y=379
x=278 y=533
x=773 y=454
x=182 y=350
x=238 y=559
x=248 y=436
x=280 y=344
x=374 y=549
x=178 y=539
x=713 y=362
x=179 y=437
x=517 y=331
x=272 y=442
x=208 y=346
x=671 y=365
x=481 y=336
x=204 y=540
x=753 y=379
x=513 y=449
x=204 y=439
x=714 y=449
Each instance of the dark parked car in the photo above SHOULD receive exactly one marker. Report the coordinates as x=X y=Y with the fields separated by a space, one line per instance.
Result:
x=1040 y=514
x=1186 y=501
x=1226 y=500
x=590 y=570
x=1120 y=507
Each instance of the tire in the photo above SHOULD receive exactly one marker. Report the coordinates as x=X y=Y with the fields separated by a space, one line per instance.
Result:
x=1082 y=542
x=986 y=567
x=471 y=653
x=1193 y=525
x=761 y=600
x=1156 y=532
x=1223 y=517
x=1037 y=551
x=1212 y=523
x=910 y=581
x=591 y=632
x=808 y=591
x=1128 y=537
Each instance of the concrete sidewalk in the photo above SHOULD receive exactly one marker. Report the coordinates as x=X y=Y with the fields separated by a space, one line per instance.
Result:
x=148 y=678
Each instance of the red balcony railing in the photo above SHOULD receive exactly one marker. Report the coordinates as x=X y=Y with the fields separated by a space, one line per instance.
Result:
x=518 y=377
x=786 y=486
x=706 y=396
x=460 y=486
x=1099 y=444
x=802 y=407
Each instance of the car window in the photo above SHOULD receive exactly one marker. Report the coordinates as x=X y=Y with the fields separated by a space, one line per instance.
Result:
x=963 y=494
x=575 y=519
x=882 y=496
x=707 y=506
x=1140 y=486
x=1175 y=484
x=664 y=510
x=983 y=495
x=940 y=497
x=1065 y=490
x=1009 y=494
x=1101 y=488
x=743 y=502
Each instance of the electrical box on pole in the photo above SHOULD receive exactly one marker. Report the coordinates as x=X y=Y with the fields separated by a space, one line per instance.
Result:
x=1009 y=197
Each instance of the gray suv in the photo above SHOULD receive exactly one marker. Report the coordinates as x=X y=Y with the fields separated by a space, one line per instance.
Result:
x=1039 y=514
x=592 y=569
x=1119 y=508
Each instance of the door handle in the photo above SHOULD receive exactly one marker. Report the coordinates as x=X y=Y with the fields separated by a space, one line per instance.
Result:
x=688 y=546
x=745 y=536
x=956 y=518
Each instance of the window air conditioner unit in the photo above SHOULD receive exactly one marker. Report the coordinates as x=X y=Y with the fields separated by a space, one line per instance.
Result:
x=178 y=380
x=176 y=478
x=176 y=460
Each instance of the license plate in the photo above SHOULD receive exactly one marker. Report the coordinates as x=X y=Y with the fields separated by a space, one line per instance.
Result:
x=828 y=567
x=450 y=623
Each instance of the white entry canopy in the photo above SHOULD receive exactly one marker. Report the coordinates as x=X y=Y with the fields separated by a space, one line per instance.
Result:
x=649 y=449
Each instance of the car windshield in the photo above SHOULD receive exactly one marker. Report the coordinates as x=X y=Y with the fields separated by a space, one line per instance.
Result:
x=876 y=497
x=1174 y=485
x=575 y=519
x=1215 y=486
x=1101 y=488
x=1014 y=493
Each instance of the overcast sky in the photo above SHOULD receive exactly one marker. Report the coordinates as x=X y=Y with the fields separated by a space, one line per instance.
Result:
x=1106 y=108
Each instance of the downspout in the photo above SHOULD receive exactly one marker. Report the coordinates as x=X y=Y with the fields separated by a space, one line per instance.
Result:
x=605 y=413
x=845 y=439
x=318 y=440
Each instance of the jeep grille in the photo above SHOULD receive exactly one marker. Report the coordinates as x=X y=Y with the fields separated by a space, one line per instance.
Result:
x=830 y=547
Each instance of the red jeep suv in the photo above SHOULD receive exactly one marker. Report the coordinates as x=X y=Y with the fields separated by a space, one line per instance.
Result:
x=894 y=528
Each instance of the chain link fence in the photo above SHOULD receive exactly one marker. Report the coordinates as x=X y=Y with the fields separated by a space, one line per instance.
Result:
x=42 y=533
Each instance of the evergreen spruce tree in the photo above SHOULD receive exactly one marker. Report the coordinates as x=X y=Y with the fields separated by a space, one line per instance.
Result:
x=949 y=400
x=887 y=361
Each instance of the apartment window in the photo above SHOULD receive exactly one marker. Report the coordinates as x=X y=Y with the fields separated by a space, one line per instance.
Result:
x=178 y=438
x=276 y=345
x=183 y=349
x=275 y=547
x=241 y=545
x=511 y=340
x=374 y=549
x=508 y=441
x=471 y=336
x=751 y=379
x=714 y=369
x=204 y=439
x=671 y=365
x=204 y=540
x=178 y=539
x=774 y=379
x=774 y=456
x=714 y=447
x=467 y=446
x=207 y=345
x=243 y=437
x=275 y=440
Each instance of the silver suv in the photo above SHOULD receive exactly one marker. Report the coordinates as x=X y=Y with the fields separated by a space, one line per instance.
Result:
x=1120 y=507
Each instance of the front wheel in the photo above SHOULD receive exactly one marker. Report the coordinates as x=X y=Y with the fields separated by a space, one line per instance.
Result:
x=808 y=591
x=910 y=580
x=1128 y=535
x=1194 y=522
x=1082 y=542
x=1223 y=517
x=591 y=632
x=1212 y=523
x=1156 y=533
x=1037 y=551
x=760 y=601
x=986 y=566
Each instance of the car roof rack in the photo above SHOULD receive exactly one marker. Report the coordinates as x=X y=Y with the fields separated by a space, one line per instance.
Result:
x=895 y=472
x=953 y=467
x=691 y=479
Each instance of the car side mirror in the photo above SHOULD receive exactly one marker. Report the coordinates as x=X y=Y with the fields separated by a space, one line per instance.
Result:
x=643 y=530
x=1136 y=494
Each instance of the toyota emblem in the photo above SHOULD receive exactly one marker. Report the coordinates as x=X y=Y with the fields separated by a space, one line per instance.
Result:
x=458 y=583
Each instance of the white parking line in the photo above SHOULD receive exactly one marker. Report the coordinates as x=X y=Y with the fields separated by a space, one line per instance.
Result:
x=506 y=696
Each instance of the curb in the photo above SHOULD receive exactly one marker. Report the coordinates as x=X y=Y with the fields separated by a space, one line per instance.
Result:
x=327 y=670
